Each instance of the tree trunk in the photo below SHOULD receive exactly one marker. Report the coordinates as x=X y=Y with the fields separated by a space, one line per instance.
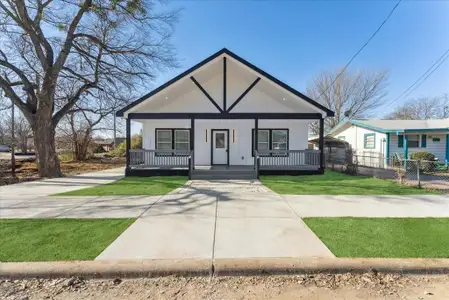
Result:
x=44 y=143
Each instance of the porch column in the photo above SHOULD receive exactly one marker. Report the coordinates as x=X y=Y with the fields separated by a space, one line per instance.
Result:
x=405 y=150
x=387 y=148
x=256 y=136
x=447 y=149
x=192 y=140
x=321 y=145
x=128 y=142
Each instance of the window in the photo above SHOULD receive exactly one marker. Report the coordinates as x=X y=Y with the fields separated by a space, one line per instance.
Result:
x=369 y=141
x=413 y=141
x=182 y=139
x=164 y=140
x=271 y=139
x=168 y=139
x=343 y=138
x=279 y=139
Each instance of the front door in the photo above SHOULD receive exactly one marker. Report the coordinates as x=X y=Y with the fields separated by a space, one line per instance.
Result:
x=219 y=147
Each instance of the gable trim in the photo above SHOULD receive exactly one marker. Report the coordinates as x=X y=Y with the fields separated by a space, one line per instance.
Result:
x=243 y=94
x=329 y=112
x=206 y=94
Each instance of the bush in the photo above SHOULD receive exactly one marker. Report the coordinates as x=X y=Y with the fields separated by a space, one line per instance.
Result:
x=99 y=149
x=422 y=155
x=119 y=151
x=426 y=160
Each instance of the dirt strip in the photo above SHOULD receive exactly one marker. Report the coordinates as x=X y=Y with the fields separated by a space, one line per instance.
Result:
x=219 y=267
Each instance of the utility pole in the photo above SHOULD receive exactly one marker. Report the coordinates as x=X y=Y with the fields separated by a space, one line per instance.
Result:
x=13 y=158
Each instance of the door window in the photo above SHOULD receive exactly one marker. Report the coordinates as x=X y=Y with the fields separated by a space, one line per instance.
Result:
x=219 y=140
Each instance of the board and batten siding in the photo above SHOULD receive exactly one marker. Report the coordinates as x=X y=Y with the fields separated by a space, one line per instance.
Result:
x=436 y=148
x=355 y=136
x=239 y=147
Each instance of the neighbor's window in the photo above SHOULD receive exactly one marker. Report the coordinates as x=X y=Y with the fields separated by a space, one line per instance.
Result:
x=369 y=141
x=413 y=141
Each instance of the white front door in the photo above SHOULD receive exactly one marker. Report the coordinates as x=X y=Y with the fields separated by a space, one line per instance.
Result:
x=219 y=147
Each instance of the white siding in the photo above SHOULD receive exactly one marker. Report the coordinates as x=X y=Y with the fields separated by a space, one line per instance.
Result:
x=438 y=149
x=355 y=136
x=240 y=148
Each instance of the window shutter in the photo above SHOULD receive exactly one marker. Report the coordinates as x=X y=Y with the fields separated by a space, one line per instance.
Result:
x=423 y=141
x=400 y=141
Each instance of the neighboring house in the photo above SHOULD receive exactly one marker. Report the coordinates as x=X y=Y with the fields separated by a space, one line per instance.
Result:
x=106 y=144
x=395 y=137
x=208 y=115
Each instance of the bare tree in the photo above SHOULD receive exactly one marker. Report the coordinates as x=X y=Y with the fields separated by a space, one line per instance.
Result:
x=422 y=109
x=92 y=46
x=356 y=94
x=87 y=117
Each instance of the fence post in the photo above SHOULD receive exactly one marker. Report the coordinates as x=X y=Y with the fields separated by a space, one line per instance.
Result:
x=418 y=163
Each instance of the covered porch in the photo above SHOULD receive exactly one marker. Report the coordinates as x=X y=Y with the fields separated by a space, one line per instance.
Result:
x=239 y=141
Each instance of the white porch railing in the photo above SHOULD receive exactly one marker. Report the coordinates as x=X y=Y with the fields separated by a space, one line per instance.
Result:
x=143 y=158
x=288 y=160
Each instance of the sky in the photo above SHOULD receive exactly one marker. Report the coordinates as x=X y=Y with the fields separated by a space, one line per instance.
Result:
x=296 y=40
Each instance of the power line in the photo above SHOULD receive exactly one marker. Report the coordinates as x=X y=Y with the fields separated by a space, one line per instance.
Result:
x=441 y=60
x=360 y=50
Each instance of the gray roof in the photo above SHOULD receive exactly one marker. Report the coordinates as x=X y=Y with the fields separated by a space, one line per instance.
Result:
x=394 y=125
x=406 y=124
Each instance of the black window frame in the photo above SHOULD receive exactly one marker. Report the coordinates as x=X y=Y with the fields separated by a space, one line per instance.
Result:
x=173 y=130
x=270 y=140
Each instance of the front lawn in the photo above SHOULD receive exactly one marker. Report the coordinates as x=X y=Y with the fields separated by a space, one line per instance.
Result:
x=57 y=239
x=334 y=183
x=383 y=237
x=158 y=185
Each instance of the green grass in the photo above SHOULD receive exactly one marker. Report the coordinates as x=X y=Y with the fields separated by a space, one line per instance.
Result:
x=57 y=239
x=384 y=237
x=159 y=185
x=334 y=183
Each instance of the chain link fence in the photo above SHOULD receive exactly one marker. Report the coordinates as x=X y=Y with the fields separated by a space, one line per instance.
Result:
x=421 y=173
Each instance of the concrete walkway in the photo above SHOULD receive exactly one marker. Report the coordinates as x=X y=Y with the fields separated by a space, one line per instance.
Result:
x=217 y=219
x=37 y=190
x=404 y=206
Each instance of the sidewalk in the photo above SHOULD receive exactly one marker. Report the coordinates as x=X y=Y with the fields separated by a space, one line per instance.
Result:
x=16 y=193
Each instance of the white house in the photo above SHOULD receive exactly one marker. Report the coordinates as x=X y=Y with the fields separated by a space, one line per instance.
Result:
x=207 y=116
x=391 y=137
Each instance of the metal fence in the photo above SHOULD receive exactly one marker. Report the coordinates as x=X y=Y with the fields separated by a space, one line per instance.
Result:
x=429 y=174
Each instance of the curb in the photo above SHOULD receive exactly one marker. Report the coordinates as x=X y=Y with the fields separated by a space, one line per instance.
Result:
x=220 y=267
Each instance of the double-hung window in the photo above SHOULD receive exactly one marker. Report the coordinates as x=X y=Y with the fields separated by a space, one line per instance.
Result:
x=271 y=139
x=413 y=140
x=172 y=139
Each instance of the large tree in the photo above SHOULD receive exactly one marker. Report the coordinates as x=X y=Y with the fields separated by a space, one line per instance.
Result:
x=89 y=48
x=422 y=109
x=351 y=95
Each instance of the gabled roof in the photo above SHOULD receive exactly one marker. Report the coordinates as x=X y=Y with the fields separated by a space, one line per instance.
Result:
x=329 y=112
x=394 y=125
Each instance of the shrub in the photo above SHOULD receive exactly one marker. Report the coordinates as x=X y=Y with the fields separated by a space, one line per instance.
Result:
x=119 y=151
x=99 y=149
x=422 y=155
x=426 y=160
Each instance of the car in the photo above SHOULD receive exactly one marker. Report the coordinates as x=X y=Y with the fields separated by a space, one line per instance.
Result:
x=5 y=148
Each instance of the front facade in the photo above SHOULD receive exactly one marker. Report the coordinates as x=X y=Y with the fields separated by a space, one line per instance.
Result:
x=208 y=116
x=390 y=138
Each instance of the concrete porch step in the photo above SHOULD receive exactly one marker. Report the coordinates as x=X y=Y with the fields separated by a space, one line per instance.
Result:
x=203 y=174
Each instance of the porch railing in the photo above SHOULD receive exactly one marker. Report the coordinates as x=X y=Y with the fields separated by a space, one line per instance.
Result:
x=287 y=160
x=143 y=158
